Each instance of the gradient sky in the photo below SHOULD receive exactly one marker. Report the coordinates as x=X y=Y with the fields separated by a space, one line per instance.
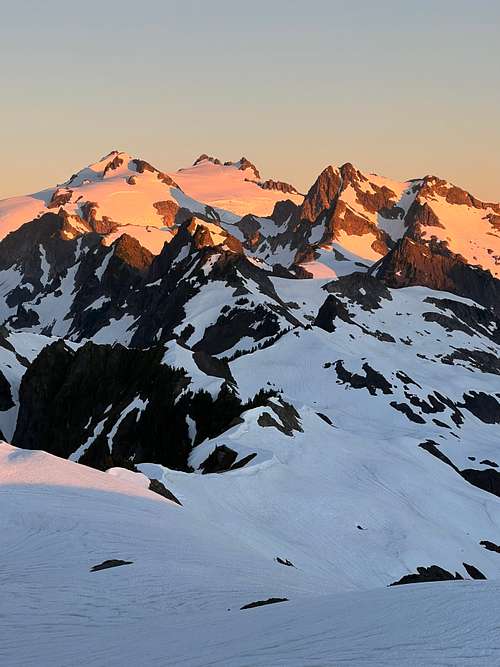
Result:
x=400 y=88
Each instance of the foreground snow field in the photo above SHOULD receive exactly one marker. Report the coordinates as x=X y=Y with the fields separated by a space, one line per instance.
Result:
x=179 y=601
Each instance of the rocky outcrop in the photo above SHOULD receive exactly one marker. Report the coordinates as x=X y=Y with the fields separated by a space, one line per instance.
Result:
x=242 y=164
x=430 y=264
x=427 y=574
x=332 y=309
x=107 y=564
x=210 y=158
x=6 y=401
x=282 y=416
x=116 y=162
x=473 y=572
x=284 y=211
x=220 y=460
x=490 y=546
x=171 y=213
x=280 y=186
x=140 y=166
x=251 y=230
x=122 y=402
x=361 y=289
x=158 y=487
x=372 y=379
x=484 y=406
x=127 y=407
x=132 y=253
x=60 y=197
x=432 y=186
x=322 y=195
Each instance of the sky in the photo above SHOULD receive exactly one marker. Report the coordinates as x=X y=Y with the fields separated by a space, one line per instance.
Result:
x=400 y=88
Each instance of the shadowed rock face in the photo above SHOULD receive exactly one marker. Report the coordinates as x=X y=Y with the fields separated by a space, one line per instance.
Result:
x=331 y=310
x=171 y=213
x=60 y=197
x=21 y=247
x=362 y=289
x=116 y=162
x=105 y=283
x=484 y=406
x=120 y=406
x=221 y=459
x=101 y=383
x=6 y=401
x=130 y=251
x=430 y=264
x=490 y=546
x=372 y=380
x=322 y=195
x=432 y=186
x=158 y=487
x=181 y=272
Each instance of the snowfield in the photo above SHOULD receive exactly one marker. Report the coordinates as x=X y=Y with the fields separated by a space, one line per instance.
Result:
x=179 y=601
x=229 y=188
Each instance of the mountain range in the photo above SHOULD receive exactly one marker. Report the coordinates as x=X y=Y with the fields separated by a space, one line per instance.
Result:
x=283 y=396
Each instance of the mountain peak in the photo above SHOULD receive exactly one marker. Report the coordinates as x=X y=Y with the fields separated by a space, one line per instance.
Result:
x=242 y=164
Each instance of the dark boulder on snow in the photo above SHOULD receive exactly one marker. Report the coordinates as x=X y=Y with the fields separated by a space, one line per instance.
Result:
x=331 y=310
x=107 y=564
x=158 y=487
x=220 y=460
x=473 y=572
x=262 y=603
x=427 y=574
x=372 y=380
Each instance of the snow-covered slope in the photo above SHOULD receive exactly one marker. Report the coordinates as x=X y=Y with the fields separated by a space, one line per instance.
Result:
x=233 y=186
x=179 y=599
x=465 y=225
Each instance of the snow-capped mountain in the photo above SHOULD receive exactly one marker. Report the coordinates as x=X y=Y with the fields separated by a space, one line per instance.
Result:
x=233 y=186
x=121 y=194
x=310 y=383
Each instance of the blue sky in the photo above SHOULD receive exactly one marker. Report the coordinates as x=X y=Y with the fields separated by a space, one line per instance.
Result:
x=399 y=88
